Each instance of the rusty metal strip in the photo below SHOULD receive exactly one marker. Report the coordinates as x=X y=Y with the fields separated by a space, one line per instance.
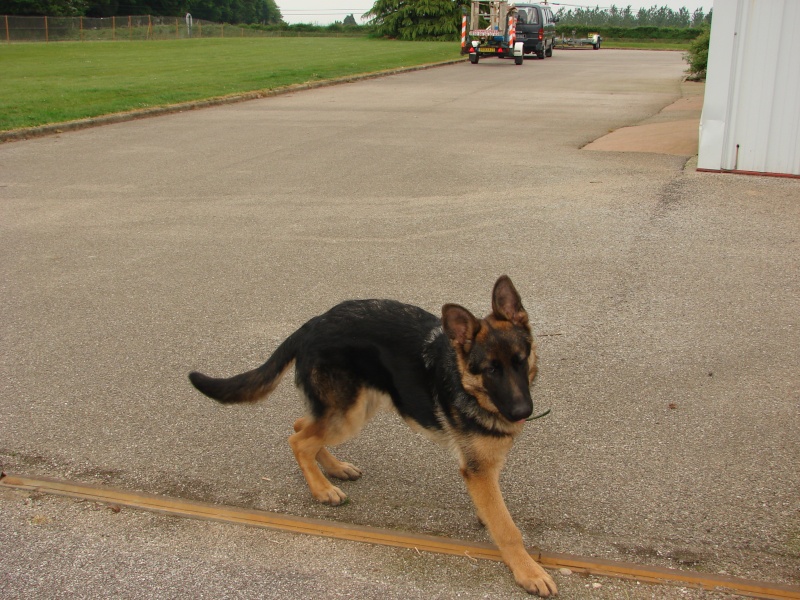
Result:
x=384 y=537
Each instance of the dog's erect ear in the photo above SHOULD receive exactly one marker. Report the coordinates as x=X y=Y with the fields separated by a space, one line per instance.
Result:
x=460 y=325
x=506 y=302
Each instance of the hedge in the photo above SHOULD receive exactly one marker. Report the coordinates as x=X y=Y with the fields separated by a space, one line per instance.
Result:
x=631 y=33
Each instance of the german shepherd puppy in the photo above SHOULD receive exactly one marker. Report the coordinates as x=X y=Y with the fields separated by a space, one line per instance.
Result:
x=462 y=381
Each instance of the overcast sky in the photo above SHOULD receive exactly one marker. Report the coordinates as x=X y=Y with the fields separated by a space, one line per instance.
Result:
x=323 y=12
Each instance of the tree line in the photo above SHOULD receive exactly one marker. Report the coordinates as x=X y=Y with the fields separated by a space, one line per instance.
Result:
x=220 y=11
x=441 y=19
x=403 y=19
x=655 y=16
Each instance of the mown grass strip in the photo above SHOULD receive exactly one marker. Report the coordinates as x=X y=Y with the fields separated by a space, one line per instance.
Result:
x=54 y=83
x=630 y=44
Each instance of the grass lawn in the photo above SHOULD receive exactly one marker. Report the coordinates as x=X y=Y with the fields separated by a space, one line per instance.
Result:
x=646 y=44
x=57 y=82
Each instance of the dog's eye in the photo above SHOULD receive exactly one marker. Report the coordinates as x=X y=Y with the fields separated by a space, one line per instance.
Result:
x=519 y=359
x=493 y=368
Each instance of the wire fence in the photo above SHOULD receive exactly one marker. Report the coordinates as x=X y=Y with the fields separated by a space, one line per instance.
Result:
x=147 y=27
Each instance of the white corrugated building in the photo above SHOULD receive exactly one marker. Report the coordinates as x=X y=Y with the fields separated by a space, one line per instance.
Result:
x=751 y=111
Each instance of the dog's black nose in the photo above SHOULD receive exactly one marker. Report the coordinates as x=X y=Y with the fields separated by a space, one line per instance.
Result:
x=521 y=411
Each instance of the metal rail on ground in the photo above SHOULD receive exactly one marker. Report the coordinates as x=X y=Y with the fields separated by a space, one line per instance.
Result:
x=384 y=537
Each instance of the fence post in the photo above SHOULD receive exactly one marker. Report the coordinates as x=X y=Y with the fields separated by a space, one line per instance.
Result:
x=130 y=29
x=149 y=27
x=114 y=29
x=8 y=38
x=223 y=30
x=46 y=32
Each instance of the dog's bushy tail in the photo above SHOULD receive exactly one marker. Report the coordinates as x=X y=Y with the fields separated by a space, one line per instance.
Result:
x=254 y=385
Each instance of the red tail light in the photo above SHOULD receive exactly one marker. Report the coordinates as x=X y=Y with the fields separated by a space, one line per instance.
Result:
x=541 y=34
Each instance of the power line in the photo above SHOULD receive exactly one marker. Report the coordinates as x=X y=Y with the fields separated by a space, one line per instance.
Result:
x=318 y=10
x=323 y=11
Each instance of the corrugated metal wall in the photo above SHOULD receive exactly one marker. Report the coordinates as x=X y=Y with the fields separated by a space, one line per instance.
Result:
x=751 y=110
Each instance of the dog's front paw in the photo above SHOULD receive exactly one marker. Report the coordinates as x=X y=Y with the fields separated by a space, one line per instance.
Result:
x=331 y=495
x=537 y=582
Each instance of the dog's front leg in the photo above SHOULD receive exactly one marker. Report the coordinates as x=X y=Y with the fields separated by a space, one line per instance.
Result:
x=484 y=488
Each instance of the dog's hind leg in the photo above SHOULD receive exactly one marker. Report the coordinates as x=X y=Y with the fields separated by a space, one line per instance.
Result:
x=347 y=410
x=332 y=465
x=307 y=443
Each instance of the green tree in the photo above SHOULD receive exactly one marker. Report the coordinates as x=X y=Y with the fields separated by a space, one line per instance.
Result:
x=270 y=13
x=229 y=11
x=416 y=19
x=614 y=16
x=51 y=8
x=234 y=11
x=697 y=57
x=102 y=8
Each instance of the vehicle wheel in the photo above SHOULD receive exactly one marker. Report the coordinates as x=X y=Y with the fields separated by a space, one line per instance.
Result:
x=473 y=58
x=549 y=51
x=518 y=60
x=596 y=46
x=541 y=53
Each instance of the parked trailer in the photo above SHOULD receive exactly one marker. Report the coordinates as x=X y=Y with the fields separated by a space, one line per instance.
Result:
x=490 y=30
x=593 y=39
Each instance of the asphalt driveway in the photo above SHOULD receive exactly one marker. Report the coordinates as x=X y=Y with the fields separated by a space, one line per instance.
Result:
x=665 y=302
